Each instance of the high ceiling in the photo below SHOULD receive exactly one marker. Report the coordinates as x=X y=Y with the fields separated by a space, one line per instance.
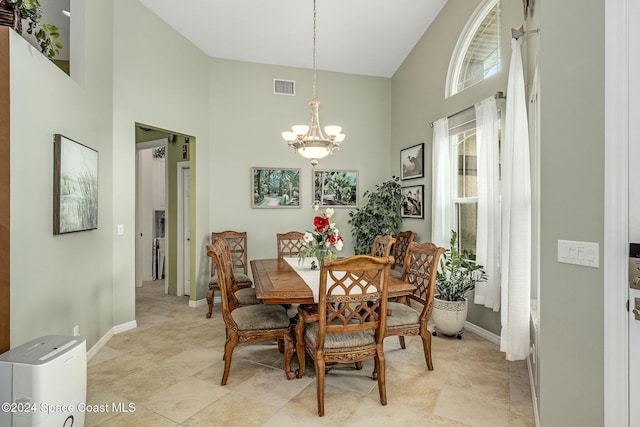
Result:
x=366 y=37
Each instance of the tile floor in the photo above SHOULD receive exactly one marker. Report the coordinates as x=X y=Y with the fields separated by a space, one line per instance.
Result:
x=167 y=373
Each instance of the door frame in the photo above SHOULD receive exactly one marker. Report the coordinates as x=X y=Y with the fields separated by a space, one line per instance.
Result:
x=616 y=221
x=181 y=166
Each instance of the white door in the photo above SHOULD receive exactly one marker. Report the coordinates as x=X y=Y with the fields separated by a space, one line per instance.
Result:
x=634 y=210
x=186 y=252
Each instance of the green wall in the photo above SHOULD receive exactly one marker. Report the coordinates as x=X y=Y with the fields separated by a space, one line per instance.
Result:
x=418 y=98
x=246 y=124
x=60 y=281
x=567 y=163
x=571 y=349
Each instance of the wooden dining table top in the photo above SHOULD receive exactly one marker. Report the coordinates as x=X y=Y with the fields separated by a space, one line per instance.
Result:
x=277 y=283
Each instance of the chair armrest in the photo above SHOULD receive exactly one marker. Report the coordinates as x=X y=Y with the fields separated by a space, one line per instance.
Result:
x=308 y=313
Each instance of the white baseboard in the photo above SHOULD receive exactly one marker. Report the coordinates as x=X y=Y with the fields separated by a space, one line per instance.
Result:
x=489 y=336
x=124 y=327
x=198 y=303
x=534 y=398
x=106 y=337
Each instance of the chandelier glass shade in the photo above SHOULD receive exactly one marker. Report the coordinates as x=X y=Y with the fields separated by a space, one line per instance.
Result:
x=308 y=140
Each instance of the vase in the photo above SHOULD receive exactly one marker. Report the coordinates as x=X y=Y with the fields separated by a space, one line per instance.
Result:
x=322 y=253
x=449 y=317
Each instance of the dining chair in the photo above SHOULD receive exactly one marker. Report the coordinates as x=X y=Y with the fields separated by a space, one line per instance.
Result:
x=237 y=241
x=289 y=244
x=349 y=322
x=251 y=323
x=420 y=266
x=382 y=245
x=403 y=239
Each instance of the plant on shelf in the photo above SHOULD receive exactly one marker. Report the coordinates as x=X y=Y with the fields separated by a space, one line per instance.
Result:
x=379 y=216
x=457 y=275
x=45 y=34
x=325 y=240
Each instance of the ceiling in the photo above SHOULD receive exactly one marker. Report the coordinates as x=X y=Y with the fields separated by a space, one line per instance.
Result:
x=366 y=37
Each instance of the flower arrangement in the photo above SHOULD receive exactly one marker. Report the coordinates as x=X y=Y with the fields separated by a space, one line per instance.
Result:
x=325 y=240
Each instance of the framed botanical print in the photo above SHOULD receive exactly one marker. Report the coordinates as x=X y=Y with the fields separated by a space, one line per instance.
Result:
x=335 y=188
x=275 y=188
x=75 y=186
x=412 y=201
x=412 y=162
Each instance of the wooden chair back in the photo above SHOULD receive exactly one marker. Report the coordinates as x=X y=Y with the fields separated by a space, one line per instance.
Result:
x=353 y=296
x=290 y=243
x=421 y=265
x=237 y=241
x=403 y=239
x=221 y=257
x=382 y=246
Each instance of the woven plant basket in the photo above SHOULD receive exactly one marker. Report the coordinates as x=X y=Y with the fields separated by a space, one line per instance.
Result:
x=8 y=16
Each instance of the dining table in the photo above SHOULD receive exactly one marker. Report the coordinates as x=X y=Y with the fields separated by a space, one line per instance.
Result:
x=277 y=282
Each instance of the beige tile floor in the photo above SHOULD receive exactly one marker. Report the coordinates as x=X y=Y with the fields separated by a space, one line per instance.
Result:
x=167 y=373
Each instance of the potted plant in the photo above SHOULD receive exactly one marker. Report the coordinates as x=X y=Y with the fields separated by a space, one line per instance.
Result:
x=379 y=216
x=12 y=12
x=457 y=275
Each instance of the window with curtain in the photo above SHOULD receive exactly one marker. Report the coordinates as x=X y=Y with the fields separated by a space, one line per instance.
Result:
x=477 y=52
x=465 y=196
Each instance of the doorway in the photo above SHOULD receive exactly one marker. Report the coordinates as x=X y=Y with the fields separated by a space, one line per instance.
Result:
x=184 y=229
x=162 y=245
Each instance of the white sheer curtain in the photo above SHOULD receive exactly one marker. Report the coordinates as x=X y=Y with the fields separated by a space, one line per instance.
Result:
x=516 y=216
x=441 y=184
x=488 y=235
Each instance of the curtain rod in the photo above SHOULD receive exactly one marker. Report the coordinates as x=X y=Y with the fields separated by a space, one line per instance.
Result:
x=498 y=95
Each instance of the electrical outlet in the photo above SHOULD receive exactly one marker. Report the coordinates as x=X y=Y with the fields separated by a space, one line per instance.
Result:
x=76 y=330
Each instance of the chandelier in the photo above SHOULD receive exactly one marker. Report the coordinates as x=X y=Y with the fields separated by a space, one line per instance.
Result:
x=308 y=140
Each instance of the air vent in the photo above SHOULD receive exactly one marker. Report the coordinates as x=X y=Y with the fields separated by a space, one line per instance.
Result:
x=284 y=87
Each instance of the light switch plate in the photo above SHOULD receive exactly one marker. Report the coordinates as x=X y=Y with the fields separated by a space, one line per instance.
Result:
x=579 y=253
x=120 y=229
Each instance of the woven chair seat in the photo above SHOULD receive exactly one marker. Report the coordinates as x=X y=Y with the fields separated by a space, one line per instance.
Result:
x=247 y=296
x=341 y=340
x=401 y=314
x=395 y=273
x=260 y=317
x=241 y=278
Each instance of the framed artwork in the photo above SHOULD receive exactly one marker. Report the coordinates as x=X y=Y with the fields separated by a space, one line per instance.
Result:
x=275 y=188
x=411 y=162
x=412 y=201
x=335 y=188
x=75 y=186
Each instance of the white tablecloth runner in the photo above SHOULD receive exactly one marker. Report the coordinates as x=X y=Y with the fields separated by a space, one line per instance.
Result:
x=310 y=277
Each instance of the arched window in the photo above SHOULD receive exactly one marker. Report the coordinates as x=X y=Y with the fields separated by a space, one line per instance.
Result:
x=477 y=53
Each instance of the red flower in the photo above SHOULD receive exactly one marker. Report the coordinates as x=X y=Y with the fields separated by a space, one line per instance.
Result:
x=320 y=223
x=332 y=239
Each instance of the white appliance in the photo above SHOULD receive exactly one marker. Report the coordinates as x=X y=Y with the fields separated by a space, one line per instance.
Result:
x=44 y=383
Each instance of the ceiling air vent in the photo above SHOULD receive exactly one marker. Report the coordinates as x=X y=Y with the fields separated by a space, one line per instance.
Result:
x=284 y=87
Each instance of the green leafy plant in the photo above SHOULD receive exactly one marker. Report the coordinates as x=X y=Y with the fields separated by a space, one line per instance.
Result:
x=45 y=34
x=458 y=273
x=379 y=216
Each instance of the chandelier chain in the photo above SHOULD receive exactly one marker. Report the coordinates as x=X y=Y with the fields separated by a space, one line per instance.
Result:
x=314 y=49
